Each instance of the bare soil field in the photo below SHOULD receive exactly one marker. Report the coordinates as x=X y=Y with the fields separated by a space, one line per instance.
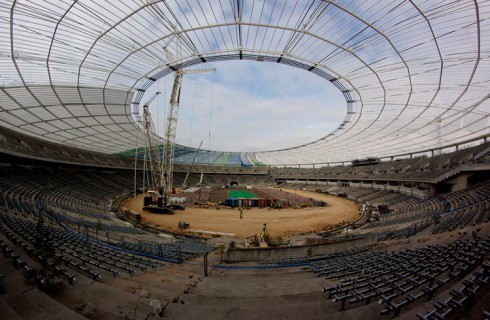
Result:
x=281 y=223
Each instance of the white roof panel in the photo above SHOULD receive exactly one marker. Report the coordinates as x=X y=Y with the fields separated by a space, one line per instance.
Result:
x=415 y=74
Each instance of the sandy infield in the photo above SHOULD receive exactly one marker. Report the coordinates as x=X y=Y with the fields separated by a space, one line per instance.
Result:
x=280 y=223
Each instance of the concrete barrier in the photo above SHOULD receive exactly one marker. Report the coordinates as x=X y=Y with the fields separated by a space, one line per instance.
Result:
x=328 y=246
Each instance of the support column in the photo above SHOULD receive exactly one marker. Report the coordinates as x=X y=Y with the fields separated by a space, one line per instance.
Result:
x=205 y=264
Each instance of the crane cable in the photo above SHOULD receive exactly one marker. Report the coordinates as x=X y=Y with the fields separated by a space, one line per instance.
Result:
x=192 y=113
x=210 y=118
x=136 y=160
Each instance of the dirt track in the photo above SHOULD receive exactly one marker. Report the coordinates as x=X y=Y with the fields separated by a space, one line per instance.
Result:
x=280 y=223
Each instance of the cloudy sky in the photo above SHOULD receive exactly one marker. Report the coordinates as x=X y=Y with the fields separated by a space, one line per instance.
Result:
x=250 y=106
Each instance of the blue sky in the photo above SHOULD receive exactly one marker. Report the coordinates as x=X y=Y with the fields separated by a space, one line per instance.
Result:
x=250 y=106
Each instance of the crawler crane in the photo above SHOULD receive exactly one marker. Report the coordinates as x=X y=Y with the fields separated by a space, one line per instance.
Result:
x=162 y=163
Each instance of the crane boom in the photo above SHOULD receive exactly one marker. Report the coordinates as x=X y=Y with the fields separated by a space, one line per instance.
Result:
x=172 y=116
x=194 y=71
x=151 y=99
x=170 y=133
x=151 y=147
x=192 y=165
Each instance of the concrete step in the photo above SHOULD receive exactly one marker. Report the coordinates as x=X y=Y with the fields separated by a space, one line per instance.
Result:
x=310 y=310
x=275 y=300
x=260 y=283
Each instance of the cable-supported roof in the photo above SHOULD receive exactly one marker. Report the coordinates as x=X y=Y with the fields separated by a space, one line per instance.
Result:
x=415 y=74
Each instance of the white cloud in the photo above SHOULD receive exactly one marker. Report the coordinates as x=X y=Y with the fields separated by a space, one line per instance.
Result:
x=253 y=106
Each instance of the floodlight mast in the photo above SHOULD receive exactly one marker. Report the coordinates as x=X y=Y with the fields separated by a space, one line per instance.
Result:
x=171 y=126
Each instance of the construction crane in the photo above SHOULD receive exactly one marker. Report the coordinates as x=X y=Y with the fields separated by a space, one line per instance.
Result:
x=162 y=163
x=152 y=148
x=171 y=124
x=171 y=129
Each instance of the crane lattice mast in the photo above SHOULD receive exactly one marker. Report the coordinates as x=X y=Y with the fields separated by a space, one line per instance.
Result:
x=170 y=133
x=171 y=125
x=152 y=148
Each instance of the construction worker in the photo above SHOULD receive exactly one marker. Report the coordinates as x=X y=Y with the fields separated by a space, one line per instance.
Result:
x=241 y=212
x=261 y=237
x=264 y=227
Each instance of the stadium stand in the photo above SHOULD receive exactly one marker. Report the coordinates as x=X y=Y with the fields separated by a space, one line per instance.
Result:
x=412 y=153
x=80 y=204
x=82 y=201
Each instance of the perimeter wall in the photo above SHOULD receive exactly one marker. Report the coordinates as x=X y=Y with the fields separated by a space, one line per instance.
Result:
x=257 y=254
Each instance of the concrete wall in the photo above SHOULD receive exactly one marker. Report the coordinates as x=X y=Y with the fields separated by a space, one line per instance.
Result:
x=459 y=182
x=330 y=246
x=422 y=194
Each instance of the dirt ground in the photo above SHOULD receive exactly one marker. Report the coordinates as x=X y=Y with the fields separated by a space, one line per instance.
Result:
x=281 y=224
